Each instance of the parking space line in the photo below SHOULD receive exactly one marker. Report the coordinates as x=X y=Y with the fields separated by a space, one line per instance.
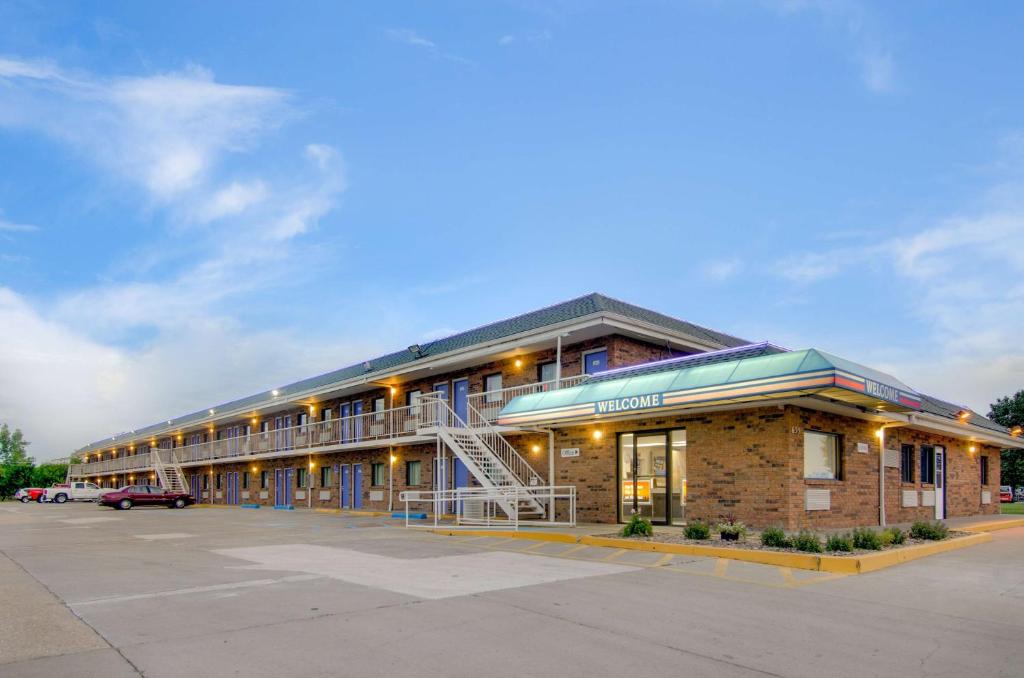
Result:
x=721 y=565
x=613 y=556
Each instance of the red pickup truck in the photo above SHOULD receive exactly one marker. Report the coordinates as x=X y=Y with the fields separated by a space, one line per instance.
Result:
x=27 y=494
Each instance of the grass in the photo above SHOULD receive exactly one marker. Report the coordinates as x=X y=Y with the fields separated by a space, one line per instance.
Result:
x=1012 y=509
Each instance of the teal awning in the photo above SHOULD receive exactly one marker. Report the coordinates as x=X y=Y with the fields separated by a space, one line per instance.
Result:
x=678 y=385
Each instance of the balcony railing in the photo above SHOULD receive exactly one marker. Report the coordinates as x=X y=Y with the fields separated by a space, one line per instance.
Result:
x=360 y=428
x=484 y=407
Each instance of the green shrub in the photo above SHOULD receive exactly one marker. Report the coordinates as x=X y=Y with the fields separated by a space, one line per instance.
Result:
x=892 y=536
x=866 y=538
x=924 y=530
x=776 y=538
x=697 y=530
x=807 y=541
x=638 y=526
x=732 y=531
x=839 y=542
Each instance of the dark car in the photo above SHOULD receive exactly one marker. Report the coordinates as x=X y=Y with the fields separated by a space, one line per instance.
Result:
x=145 y=495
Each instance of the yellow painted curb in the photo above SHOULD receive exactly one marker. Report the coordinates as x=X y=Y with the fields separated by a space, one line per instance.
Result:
x=993 y=526
x=323 y=510
x=800 y=561
x=511 y=534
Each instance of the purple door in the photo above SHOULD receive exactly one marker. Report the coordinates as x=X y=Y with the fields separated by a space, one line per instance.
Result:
x=595 y=361
x=461 y=398
x=357 y=421
x=346 y=413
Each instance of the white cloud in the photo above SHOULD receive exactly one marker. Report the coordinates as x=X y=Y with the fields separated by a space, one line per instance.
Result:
x=11 y=227
x=866 y=38
x=722 y=269
x=413 y=39
x=164 y=132
x=104 y=389
x=163 y=336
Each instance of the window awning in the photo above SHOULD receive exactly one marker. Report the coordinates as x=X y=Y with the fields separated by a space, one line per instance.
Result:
x=764 y=377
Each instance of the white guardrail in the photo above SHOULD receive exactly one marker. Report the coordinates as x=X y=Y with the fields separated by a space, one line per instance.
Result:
x=481 y=506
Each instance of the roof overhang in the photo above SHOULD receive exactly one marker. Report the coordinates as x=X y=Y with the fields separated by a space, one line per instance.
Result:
x=578 y=329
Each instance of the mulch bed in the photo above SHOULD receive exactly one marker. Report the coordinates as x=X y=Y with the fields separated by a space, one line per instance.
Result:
x=667 y=535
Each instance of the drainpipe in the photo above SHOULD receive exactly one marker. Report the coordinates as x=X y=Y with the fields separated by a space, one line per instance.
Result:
x=881 y=469
x=558 y=360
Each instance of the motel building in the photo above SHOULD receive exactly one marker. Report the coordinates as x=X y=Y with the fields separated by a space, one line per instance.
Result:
x=583 y=411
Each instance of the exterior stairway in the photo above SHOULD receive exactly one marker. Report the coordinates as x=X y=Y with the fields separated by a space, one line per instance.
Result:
x=168 y=471
x=488 y=456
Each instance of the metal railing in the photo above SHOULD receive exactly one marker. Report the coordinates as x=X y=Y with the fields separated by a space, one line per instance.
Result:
x=360 y=428
x=485 y=506
x=484 y=407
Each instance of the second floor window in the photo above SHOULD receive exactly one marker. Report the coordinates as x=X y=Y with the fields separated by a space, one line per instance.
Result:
x=546 y=372
x=412 y=398
x=492 y=382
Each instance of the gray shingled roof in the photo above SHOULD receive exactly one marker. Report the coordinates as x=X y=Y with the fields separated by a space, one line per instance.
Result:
x=942 y=408
x=573 y=309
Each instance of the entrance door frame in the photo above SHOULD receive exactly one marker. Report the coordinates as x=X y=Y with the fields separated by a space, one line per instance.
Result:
x=622 y=516
x=940 y=481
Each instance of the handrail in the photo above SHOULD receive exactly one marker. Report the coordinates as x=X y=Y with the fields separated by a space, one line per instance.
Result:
x=476 y=506
x=489 y=403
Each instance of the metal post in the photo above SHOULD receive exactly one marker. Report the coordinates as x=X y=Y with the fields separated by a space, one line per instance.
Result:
x=391 y=478
x=558 y=360
x=551 y=474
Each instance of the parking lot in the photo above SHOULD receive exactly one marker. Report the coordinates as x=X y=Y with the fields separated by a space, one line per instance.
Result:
x=209 y=592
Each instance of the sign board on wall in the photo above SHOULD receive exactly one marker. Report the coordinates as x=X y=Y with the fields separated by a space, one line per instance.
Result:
x=570 y=452
x=862 y=448
x=643 y=491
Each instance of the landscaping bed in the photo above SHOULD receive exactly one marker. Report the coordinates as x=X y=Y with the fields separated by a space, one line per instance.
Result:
x=853 y=543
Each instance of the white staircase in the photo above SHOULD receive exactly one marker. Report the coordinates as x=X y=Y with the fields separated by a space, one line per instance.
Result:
x=168 y=471
x=491 y=459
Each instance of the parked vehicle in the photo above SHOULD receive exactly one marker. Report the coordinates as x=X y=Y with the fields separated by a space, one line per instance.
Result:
x=76 y=491
x=1018 y=495
x=1005 y=493
x=145 y=495
x=27 y=494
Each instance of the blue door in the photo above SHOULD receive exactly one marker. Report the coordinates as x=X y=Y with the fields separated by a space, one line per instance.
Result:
x=461 y=398
x=289 y=477
x=346 y=487
x=279 y=487
x=357 y=421
x=595 y=362
x=346 y=412
x=357 y=486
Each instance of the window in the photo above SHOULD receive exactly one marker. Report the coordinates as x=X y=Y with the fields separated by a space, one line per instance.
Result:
x=984 y=470
x=245 y=480
x=413 y=397
x=325 y=476
x=595 y=361
x=492 y=382
x=413 y=474
x=303 y=421
x=376 y=474
x=821 y=456
x=206 y=482
x=326 y=414
x=907 y=463
x=927 y=464
x=264 y=480
x=219 y=481
x=378 y=404
x=546 y=371
x=264 y=426
x=300 y=477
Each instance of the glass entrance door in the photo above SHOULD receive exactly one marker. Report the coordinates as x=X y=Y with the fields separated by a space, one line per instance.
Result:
x=652 y=475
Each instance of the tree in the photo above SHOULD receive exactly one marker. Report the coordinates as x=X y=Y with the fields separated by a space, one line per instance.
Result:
x=15 y=464
x=1009 y=412
x=47 y=475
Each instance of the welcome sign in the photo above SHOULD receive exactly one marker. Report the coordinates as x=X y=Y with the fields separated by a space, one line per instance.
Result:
x=630 y=403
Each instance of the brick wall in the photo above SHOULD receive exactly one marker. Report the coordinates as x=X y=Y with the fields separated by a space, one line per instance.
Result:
x=748 y=465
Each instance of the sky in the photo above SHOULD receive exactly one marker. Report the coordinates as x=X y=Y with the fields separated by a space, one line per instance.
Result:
x=200 y=201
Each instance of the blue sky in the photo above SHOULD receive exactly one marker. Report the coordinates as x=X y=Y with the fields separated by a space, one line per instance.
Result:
x=199 y=201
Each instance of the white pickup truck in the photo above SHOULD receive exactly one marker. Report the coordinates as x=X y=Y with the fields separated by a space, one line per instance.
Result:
x=75 y=491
